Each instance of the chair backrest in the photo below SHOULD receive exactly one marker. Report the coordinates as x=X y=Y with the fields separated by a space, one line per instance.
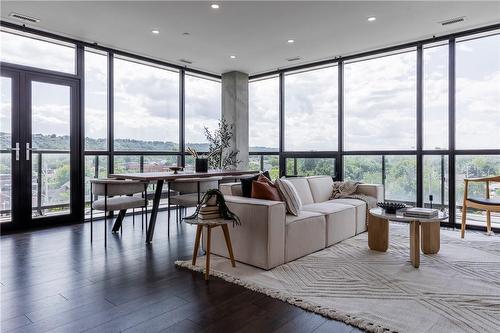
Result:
x=190 y=185
x=113 y=187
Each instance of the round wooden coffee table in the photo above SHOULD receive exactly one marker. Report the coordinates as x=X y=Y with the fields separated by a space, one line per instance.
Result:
x=378 y=232
x=209 y=224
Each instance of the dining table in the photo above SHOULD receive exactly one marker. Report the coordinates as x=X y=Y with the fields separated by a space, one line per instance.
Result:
x=167 y=177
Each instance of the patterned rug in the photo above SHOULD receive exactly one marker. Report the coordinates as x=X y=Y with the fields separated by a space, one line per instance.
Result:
x=456 y=290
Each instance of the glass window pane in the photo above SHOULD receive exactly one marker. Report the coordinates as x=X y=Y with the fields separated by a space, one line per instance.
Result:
x=269 y=163
x=478 y=93
x=263 y=106
x=366 y=169
x=5 y=154
x=401 y=178
x=29 y=51
x=203 y=109
x=311 y=110
x=468 y=166
x=127 y=163
x=159 y=163
x=146 y=107
x=310 y=166
x=435 y=97
x=96 y=101
x=435 y=180
x=51 y=187
x=380 y=103
x=50 y=107
x=95 y=167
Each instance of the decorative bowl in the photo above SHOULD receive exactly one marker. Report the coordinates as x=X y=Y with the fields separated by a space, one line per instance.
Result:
x=391 y=207
x=175 y=169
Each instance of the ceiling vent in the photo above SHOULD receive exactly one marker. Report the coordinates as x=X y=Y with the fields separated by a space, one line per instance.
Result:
x=186 y=61
x=24 y=18
x=293 y=59
x=453 y=20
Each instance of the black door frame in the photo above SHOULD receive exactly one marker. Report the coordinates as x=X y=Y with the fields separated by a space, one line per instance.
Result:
x=22 y=77
x=16 y=179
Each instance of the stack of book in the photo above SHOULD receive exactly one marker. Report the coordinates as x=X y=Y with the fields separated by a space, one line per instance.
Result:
x=426 y=213
x=209 y=212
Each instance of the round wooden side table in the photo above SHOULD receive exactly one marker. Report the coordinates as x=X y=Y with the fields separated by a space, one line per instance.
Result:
x=210 y=224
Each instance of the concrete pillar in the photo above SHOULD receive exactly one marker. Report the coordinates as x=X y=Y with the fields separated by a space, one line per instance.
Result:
x=235 y=111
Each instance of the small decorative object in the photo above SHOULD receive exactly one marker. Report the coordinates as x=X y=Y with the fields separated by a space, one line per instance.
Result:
x=200 y=160
x=431 y=198
x=391 y=207
x=201 y=165
x=210 y=209
x=175 y=169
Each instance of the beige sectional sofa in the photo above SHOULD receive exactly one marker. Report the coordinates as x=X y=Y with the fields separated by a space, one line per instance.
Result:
x=268 y=237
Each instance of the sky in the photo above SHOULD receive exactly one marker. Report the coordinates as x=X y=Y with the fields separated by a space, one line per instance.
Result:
x=379 y=100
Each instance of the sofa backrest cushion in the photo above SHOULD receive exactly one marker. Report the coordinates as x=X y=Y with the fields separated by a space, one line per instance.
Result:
x=302 y=186
x=321 y=187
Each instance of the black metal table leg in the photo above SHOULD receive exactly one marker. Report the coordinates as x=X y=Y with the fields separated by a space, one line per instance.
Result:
x=168 y=210
x=154 y=212
x=119 y=219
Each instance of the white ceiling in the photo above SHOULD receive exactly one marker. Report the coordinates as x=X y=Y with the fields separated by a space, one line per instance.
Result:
x=255 y=31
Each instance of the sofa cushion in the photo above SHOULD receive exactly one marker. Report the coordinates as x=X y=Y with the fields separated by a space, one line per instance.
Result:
x=360 y=207
x=289 y=195
x=246 y=184
x=265 y=189
x=321 y=187
x=302 y=186
x=304 y=234
x=340 y=220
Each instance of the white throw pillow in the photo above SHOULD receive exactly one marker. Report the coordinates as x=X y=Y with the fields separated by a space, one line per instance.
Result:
x=290 y=196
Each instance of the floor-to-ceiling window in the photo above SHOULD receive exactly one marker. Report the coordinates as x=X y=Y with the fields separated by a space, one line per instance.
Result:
x=263 y=95
x=310 y=121
x=477 y=129
x=202 y=112
x=33 y=71
x=380 y=115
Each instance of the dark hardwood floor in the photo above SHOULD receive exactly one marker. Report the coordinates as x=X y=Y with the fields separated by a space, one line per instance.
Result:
x=55 y=280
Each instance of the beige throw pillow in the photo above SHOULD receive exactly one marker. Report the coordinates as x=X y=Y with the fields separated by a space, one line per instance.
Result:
x=290 y=196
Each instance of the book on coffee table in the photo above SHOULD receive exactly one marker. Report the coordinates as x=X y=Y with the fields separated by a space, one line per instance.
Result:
x=421 y=212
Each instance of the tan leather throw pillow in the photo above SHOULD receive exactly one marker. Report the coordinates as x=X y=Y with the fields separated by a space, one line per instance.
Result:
x=263 y=188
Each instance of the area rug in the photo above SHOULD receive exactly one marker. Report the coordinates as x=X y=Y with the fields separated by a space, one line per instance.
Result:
x=456 y=290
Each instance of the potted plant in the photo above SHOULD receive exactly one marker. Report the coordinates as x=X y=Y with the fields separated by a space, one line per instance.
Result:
x=200 y=160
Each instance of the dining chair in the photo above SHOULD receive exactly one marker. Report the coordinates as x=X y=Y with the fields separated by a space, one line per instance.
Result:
x=189 y=193
x=488 y=204
x=116 y=195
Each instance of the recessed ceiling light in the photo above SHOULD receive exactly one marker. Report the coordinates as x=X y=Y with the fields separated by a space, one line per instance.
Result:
x=214 y=6
x=232 y=56
x=290 y=41
x=371 y=18
x=155 y=31
x=186 y=34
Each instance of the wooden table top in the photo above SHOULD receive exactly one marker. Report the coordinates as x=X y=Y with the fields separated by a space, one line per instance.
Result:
x=154 y=176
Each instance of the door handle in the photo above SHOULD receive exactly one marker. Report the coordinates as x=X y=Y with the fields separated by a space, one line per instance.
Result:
x=28 y=151
x=17 y=150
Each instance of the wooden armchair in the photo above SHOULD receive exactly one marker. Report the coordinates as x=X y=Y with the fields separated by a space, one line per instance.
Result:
x=488 y=204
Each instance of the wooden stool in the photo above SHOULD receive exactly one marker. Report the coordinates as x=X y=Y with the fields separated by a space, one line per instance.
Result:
x=210 y=224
